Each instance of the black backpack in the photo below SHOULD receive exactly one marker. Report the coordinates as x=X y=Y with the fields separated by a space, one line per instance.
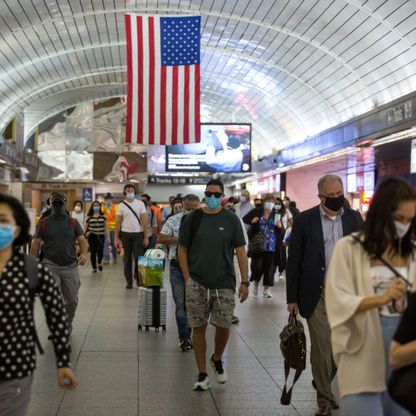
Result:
x=196 y=218
x=32 y=272
x=293 y=347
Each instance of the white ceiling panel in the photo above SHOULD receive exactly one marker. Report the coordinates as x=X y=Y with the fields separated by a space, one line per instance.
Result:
x=291 y=67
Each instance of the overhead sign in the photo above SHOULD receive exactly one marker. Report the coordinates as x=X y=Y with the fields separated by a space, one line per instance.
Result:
x=178 y=180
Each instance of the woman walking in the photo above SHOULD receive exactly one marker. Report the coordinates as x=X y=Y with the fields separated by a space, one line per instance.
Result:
x=96 y=229
x=365 y=298
x=78 y=213
x=22 y=277
x=264 y=221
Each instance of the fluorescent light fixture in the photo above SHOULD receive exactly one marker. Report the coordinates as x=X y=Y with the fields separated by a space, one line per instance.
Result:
x=403 y=135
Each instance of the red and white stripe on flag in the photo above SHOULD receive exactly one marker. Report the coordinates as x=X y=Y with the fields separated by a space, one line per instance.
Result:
x=163 y=88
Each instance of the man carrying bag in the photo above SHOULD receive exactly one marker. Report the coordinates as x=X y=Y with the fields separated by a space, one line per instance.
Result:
x=131 y=229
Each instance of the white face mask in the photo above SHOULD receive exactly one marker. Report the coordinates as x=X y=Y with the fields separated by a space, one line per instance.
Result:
x=243 y=198
x=278 y=207
x=401 y=229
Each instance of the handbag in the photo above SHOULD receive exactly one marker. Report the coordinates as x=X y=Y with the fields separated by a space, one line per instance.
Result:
x=402 y=387
x=257 y=244
x=293 y=348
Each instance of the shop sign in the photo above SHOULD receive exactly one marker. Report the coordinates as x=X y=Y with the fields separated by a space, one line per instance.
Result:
x=400 y=113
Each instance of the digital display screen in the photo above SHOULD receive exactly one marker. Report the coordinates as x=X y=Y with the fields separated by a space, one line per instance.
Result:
x=223 y=148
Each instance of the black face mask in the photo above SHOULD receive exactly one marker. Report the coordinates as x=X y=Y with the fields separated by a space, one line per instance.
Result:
x=58 y=209
x=258 y=205
x=335 y=204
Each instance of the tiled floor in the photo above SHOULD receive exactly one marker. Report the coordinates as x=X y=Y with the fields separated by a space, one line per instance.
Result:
x=122 y=372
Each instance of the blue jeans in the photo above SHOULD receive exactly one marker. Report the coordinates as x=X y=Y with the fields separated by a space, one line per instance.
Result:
x=377 y=404
x=113 y=247
x=178 y=291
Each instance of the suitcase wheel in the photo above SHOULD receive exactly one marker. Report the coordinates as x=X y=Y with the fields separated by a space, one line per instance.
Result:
x=140 y=328
x=157 y=329
x=147 y=329
x=164 y=329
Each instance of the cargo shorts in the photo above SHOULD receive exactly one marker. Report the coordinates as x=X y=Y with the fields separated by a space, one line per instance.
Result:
x=215 y=305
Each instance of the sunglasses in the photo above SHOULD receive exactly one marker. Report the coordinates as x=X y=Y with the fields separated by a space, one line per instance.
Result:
x=209 y=194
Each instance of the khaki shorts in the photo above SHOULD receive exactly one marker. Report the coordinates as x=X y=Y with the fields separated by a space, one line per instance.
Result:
x=203 y=304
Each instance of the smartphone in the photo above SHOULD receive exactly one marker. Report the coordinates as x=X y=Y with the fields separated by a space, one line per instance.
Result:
x=277 y=218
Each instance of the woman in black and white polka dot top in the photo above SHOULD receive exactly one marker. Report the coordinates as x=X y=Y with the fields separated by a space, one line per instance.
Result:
x=17 y=327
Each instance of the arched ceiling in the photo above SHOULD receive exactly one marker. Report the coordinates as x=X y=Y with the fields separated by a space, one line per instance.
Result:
x=291 y=67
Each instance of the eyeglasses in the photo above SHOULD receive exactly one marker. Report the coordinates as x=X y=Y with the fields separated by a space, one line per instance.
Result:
x=209 y=194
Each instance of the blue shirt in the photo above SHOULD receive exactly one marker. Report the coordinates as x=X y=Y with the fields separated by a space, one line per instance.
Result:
x=332 y=231
x=267 y=228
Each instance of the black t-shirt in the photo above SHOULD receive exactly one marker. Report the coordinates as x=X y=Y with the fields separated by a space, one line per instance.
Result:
x=59 y=234
x=211 y=257
x=406 y=331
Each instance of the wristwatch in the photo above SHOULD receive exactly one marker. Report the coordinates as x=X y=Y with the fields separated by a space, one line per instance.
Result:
x=246 y=282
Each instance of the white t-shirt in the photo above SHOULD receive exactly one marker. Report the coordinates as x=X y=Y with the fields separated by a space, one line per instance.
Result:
x=129 y=224
x=381 y=277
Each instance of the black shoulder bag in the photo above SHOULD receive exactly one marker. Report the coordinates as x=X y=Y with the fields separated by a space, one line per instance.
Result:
x=293 y=348
x=32 y=272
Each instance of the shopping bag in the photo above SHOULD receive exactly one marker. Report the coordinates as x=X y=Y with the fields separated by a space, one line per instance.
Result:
x=150 y=271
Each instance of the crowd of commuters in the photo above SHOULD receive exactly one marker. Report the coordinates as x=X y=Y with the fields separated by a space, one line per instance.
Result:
x=351 y=280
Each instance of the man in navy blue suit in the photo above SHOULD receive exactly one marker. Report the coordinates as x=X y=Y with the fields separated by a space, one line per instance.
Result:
x=314 y=234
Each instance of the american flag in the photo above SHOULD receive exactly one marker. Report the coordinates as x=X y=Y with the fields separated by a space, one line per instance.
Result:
x=163 y=79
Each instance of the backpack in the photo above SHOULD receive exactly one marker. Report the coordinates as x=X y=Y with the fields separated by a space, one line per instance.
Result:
x=32 y=272
x=195 y=223
x=293 y=347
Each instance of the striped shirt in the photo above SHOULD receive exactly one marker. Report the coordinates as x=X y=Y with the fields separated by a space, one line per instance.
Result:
x=96 y=225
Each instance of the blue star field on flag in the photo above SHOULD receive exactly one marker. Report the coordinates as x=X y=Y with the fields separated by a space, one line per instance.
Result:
x=180 y=40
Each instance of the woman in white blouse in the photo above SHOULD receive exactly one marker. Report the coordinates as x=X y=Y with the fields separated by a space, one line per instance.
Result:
x=365 y=298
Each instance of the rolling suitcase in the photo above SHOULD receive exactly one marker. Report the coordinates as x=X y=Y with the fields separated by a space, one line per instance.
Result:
x=152 y=308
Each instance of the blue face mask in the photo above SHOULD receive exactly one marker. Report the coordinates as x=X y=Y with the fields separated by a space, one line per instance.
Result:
x=6 y=235
x=108 y=203
x=96 y=208
x=130 y=195
x=212 y=202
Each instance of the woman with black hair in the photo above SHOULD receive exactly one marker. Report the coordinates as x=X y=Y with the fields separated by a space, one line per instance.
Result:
x=263 y=220
x=365 y=296
x=21 y=278
x=96 y=228
x=286 y=220
x=177 y=207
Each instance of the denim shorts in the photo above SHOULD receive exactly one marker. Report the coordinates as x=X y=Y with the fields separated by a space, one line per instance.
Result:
x=215 y=305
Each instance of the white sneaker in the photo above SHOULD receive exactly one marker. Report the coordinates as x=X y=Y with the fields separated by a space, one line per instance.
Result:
x=219 y=371
x=255 y=288
x=202 y=383
x=267 y=293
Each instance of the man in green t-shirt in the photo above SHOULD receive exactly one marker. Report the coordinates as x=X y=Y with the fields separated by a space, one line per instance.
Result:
x=207 y=241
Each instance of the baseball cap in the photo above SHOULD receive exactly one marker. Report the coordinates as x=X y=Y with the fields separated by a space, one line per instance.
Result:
x=108 y=196
x=57 y=197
